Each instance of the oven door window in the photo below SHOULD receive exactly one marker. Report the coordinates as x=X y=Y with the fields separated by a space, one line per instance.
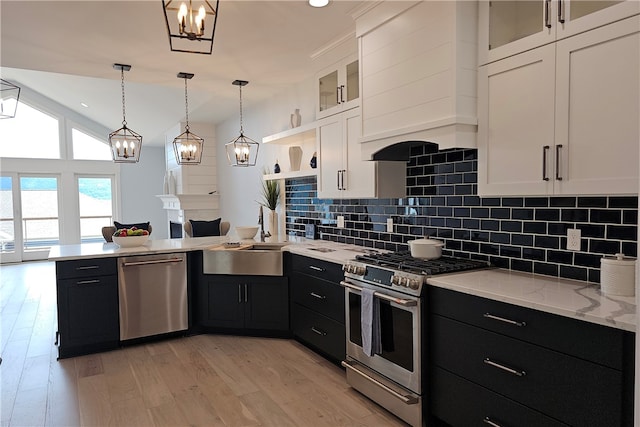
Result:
x=396 y=327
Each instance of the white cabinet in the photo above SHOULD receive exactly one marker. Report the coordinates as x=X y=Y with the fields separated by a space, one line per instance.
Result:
x=511 y=27
x=338 y=87
x=563 y=118
x=342 y=172
x=279 y=144
x=419 y=72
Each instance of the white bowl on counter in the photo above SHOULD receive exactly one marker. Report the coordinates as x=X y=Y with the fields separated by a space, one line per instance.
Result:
x=130 y=241
x=248 y=232
x=426 y=248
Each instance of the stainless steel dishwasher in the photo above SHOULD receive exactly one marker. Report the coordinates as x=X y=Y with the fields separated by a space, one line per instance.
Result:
x=152 y=290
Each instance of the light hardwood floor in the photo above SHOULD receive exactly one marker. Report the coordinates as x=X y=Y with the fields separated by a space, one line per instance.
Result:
x=204 y=380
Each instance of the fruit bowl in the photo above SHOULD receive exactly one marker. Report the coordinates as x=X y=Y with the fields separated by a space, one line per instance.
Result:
x=246 y=232
x=130 y=241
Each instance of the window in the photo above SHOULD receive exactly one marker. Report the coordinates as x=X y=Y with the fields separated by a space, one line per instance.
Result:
x=39 y=203
x=86 y=147
x=30 y=134
x=96 y=206
x=7 y=236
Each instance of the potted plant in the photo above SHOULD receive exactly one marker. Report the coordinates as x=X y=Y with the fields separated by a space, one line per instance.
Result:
x=270 y=200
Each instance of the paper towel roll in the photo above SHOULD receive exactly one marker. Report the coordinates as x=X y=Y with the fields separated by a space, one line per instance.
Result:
x=618 y=275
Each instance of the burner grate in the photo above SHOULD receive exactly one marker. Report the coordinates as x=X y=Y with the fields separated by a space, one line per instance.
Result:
x=403 y=261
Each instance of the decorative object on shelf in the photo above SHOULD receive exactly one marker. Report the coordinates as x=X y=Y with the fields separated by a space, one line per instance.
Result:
x=270 y=200
x=296 y=119
x=187 y=146
x=295 y=157
x=276 y=167
x=191 y=31
x=9 y=96
x=314 y=160
x=125 y=143
x=242 y=151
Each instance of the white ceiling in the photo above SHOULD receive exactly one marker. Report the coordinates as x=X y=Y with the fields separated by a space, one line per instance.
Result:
x=65 y=50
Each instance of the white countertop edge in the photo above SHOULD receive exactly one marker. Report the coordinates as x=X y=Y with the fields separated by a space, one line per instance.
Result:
x=624 y=320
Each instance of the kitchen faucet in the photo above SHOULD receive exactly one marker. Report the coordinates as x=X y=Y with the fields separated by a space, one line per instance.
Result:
x=261 y=222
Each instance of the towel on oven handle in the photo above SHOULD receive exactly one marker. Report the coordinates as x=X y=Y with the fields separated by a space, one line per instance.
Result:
x=370 y=322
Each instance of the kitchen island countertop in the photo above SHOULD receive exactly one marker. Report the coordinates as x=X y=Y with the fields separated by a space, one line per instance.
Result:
x=569 y=298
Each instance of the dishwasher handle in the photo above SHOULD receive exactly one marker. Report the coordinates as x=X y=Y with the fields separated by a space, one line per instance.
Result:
x=156 y=261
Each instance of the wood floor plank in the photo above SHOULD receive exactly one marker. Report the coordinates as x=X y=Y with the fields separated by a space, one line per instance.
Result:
x=87 y=366
x=63 y=408
x=30 y=407
x=168 y=414
x=268 y=412
x=121 y=382
x=93 y=396
x=155 y=391
x=11 y=371
x=131 y=413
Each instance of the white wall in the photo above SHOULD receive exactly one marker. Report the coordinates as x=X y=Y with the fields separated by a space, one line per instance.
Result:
x=139 y=184
x=239 y=187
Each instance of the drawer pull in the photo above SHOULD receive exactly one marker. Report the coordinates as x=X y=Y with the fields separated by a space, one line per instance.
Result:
x=504 y=368
x=502 y=319
x=318 y=331
x=313 y=267
x=488 y=421
x=313 y=294
x=88 y=267
x=87 y=282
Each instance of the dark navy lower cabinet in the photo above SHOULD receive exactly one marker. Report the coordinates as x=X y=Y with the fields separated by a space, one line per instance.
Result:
x=87 y=292
x=536 y=369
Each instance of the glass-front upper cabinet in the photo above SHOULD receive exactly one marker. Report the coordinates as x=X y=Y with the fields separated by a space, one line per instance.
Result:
x=338 y=88
x=511 y=27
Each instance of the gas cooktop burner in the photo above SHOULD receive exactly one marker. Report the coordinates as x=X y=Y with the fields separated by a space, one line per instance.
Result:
x=403 y=261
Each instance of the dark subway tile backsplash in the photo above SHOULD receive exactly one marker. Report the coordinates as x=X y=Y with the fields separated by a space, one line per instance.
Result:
x=521 y=233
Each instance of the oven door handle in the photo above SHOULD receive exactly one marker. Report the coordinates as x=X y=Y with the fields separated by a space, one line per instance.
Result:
x=408 y=400
x=403 y=302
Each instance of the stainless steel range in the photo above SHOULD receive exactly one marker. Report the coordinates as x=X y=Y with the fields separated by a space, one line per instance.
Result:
x=394 y=376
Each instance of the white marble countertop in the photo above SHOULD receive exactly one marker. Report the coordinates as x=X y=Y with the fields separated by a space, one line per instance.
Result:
x=569 y=298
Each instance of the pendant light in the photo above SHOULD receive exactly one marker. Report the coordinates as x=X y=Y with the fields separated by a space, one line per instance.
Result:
x=191 y=27
x=187 y=146
x=125 y=143
x=242 y=151
x=9 y=96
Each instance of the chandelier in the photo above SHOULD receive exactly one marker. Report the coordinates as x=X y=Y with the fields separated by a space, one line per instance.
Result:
x=191 y=28
x=242 y=151
x=187 y=146
x=9 y=96
x=125 y=143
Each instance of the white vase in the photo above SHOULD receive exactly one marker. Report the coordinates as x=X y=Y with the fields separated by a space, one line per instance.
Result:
x=273 y=223
x=166 y=184
x=295 y=157
x=296 y=119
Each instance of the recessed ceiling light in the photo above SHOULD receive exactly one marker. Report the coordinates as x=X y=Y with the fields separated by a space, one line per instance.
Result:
x=84 y=105
x=318 y=3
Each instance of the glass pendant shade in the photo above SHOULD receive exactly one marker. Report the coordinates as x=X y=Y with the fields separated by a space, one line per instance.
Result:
x=125 y=144
x=242 y=151
x=191 y=25
x=9 y=96
x=187 y=146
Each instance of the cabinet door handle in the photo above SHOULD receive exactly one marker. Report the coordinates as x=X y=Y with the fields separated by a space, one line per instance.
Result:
x=313 y=294
x=558 y=150
x=504 y=368
x=57 y=338
x=502 y=319
x=318 y=331
x=338 y=180
x=545 y=150
x=547 y=13
x=338 y=95
x=87 y=282
x=561 y=11
x=88 y=267
x=344 y=172
x=342 y=94
x=313 y=267
x=239 y=294
x=245 y=292
x=488 y=421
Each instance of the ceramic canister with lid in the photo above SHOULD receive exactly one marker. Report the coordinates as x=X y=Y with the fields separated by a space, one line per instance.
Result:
x=618 y=275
